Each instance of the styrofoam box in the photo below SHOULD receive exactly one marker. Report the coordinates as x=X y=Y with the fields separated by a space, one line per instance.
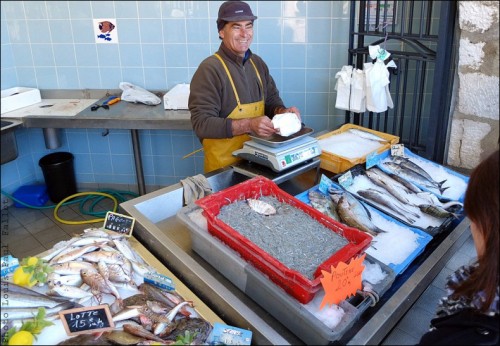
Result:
x=271 y=297
x=177 y=97
x=19 y=97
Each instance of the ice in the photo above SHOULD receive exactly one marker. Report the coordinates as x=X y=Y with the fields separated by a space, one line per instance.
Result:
x=348 y=145
x=330 y=315
x=373 y=273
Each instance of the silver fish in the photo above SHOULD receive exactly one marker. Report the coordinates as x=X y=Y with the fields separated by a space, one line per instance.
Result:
x=323 y=203
x=354 y=214
x=22 y=300
x=393 y=187
x=391 y=203
x=29 y=313
x=368 y=135
x=406 y=162
x=408 y=184
x=73 y=254
x=411 y=175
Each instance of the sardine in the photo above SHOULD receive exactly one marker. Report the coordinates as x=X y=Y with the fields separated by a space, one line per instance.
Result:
x=411 y=175
x=391 y=203
x=368 y=135
x=354 y=214
x=323 y=203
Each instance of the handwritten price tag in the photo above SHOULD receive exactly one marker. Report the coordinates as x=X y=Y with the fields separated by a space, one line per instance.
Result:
x=122 y=224
x=398 y=150
x=87 y=320
x=343 y=281
x=345 y=180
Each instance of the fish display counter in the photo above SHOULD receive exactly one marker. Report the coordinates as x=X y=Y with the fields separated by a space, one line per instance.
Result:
x=169 y=239
x=101 y=281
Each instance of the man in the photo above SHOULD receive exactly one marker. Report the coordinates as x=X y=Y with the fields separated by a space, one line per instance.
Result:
x=232 y=93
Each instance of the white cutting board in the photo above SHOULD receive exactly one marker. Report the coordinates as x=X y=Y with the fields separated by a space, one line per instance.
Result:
x=59 y=107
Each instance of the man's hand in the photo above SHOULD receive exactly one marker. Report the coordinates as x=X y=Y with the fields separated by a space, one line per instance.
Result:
x=260 y=126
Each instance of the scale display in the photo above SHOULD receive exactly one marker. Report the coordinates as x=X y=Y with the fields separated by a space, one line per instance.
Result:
x=280 y=158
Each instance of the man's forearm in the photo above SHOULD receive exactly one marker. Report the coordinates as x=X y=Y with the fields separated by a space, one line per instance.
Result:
x=240 y=126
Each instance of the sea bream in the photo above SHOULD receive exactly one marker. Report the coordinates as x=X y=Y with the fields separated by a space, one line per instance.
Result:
x=354 y=214
x=323 y=203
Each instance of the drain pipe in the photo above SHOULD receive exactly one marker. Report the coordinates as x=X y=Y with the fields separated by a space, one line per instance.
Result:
x=51 y=137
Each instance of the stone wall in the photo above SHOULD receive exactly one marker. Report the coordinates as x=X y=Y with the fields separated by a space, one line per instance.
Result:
x=475 y=120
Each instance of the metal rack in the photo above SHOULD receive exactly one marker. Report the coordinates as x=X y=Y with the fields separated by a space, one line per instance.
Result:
x=419 y=35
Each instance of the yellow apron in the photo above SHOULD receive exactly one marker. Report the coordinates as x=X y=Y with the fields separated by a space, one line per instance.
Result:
x=219 y=151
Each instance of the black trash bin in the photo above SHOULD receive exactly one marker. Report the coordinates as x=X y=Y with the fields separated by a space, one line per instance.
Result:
x=59 y=175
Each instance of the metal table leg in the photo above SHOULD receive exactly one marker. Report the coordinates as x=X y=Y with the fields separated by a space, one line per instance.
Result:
x=138 y=162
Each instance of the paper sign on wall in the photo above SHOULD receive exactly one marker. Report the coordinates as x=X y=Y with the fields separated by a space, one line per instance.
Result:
x=343 y=281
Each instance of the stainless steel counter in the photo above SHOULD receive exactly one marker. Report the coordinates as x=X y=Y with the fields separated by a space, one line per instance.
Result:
x=121 y=115
x=158 y=229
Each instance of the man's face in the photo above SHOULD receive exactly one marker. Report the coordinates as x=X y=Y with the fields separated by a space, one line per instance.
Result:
x=237 y=36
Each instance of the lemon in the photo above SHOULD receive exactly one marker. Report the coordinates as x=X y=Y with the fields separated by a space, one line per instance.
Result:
x=21 y=338
x=32 y=261
x=21 y=278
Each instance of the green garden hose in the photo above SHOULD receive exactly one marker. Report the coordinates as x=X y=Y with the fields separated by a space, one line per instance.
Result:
x=92 y=197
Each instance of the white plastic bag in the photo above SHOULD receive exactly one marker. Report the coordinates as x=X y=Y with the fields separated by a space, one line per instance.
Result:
x=343 y=87
x=287 y=124
x=133 y=93
x=378 y=97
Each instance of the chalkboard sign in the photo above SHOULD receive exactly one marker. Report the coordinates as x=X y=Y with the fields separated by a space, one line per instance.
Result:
x=87 y=319
x=119 y=223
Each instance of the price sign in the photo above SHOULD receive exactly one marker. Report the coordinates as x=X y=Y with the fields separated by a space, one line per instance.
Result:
x=343 y=281
x=119 y=223
x=87 y=320
x=398 y=150
x=345 y=180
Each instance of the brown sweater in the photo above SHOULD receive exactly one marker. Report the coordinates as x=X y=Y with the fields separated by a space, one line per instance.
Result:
x=211 y=97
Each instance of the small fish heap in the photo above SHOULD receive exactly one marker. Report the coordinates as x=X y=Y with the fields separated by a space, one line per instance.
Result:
x=101 y=263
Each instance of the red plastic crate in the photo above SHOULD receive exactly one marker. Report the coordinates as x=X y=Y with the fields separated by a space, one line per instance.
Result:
x=292 y=281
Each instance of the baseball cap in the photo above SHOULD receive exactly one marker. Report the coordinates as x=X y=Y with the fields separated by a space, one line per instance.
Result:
x=234 y=11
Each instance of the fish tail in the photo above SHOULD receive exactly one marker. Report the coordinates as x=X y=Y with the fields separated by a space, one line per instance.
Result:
x=379 y=230
x=440 y=186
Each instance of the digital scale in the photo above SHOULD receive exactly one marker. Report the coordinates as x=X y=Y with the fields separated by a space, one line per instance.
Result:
x=280 y=156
